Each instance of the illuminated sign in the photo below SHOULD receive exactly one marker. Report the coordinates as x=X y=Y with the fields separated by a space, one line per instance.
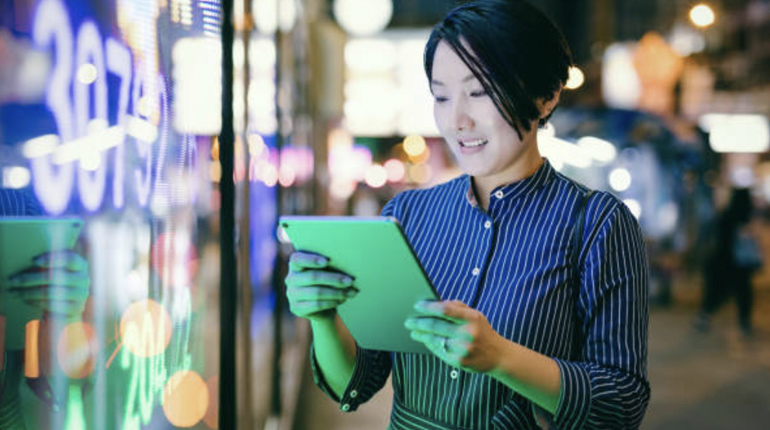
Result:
x=76 y=157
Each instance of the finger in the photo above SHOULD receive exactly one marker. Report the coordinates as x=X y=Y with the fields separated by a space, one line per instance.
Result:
x=318 y=277
x=298 y=294
x=433 y=326
x=301 y=260
x=435 y=309
x=58 y=278
x=308 y=308
x=69 y=260
x=434 y=342
x=58 y=307
x=53 y=292
x=458 y=310
x=436 y=346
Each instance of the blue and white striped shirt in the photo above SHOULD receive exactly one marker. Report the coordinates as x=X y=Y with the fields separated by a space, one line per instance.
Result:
x=512 y=263
x=18 y=203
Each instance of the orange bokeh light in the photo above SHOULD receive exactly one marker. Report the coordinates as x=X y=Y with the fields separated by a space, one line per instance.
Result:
x=185 y=399
x=145 y=328
x=77 y=349
x=212 y=413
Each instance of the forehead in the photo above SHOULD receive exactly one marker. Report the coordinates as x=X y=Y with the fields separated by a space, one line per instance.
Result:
x=449 y=68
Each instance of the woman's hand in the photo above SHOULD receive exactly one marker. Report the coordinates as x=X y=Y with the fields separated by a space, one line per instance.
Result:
x=314 y=291
x=57 y=283
x=459 y=335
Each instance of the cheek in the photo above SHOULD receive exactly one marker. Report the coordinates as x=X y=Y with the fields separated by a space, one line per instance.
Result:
x=440 y=117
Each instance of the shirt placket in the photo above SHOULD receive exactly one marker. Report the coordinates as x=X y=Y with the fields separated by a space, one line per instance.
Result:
x=487 y=235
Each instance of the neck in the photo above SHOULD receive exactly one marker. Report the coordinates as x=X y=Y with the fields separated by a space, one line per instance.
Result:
x=483 y=187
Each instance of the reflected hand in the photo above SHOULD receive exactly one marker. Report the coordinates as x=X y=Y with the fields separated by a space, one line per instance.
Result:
x=314 y=291
x=458 y=334
x=57 y=283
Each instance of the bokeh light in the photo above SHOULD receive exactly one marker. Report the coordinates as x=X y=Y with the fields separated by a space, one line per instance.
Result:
x=174 y=258
x=702 y=15
x=77 y=349
x=87 y=73
x=363 y=18
x=414 y=146
x=376 y=176
x=620 y=179
x=145 y=328
x=185 y=399
x=341 y=189
x=212 y=412
x=421 y=173
x=396 y=170
x=16 y=177
x=576 y=78
x=286 y=175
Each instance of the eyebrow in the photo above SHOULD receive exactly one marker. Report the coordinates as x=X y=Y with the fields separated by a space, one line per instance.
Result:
x=470 y=77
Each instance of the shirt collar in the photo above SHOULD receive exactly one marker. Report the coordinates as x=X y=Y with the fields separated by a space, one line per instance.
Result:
x=519 y=188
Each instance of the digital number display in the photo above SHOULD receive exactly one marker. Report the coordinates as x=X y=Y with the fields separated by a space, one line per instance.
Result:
x=144 y=353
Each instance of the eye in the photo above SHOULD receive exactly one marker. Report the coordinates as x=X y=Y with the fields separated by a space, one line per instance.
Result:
x=478 y=93
x=440 y=99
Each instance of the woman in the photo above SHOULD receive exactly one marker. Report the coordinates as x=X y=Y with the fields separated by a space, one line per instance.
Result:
x=522 y=338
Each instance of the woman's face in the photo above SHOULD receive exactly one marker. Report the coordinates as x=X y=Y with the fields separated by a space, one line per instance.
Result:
x=483 y=143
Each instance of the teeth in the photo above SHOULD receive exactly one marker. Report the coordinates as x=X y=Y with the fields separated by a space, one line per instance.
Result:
x=472 y=143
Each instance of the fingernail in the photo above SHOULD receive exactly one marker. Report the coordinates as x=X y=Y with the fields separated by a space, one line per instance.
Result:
x=350 y=293
x=347 y=280
x=419 y=306
x=321 y=260
x=40 y=260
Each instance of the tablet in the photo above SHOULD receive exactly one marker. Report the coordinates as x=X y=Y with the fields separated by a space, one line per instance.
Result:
x=21 y=240
x=388 y=276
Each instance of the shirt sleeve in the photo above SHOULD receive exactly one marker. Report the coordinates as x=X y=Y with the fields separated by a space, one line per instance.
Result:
x=607 y=386
x=18 y=203
x=370 y=372
x=371 y=369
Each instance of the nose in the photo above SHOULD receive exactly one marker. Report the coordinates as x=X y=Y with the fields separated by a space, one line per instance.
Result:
x=461 y=119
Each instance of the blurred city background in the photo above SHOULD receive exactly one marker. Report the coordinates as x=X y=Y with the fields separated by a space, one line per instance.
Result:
x=129 y=115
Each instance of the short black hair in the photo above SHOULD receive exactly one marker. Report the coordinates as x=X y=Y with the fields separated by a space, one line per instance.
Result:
x=515 y=51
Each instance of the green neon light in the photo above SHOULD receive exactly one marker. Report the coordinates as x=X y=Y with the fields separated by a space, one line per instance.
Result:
x=76 y=419
x=148 y=375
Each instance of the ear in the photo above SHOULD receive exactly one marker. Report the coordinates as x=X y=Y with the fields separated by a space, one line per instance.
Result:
x=546 y=106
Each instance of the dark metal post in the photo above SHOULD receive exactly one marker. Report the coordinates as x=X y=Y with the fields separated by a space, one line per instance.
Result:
x=228 y=285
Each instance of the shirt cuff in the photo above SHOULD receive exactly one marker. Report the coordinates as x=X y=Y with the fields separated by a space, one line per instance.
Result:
x=357 y=390
x=575 y=401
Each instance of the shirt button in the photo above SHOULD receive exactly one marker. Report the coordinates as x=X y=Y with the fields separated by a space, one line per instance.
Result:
x=353 y=394
x=499 y=194
x=476 y=271
x=345 y=407
x=454 y=374
x=488 y=224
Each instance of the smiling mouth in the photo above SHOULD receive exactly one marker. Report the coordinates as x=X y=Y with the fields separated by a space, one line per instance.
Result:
x=472 y=143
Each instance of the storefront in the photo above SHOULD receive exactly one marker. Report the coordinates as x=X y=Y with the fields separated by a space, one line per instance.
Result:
x=110 y=120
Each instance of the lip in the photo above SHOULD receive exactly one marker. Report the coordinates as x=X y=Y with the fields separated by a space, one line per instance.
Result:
x=468 y=150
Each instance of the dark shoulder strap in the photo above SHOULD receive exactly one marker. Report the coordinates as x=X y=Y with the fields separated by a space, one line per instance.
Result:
x=577 y=237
